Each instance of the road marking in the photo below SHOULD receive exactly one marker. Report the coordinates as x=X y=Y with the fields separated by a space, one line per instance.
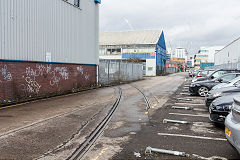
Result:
x=100 y=154
x=15 y=105
x=199 y=109
x=185 y=94
x=189 y=136
x=193 y=104
x=146 y=112
x=191 y=115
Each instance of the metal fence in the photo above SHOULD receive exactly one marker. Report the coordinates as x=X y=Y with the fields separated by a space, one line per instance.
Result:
x=226 y=66
x=115 y=72
x=172 y=70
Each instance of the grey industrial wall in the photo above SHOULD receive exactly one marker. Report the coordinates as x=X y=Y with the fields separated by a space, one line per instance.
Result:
x=47 y=47
x=229 y=54
x=31 y=29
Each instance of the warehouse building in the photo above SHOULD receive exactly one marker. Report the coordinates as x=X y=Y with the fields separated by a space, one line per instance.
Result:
x=229 y=54
x=47 y=47
x=148 y=46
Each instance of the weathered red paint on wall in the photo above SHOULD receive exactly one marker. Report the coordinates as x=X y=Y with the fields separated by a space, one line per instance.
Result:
x=21 y=81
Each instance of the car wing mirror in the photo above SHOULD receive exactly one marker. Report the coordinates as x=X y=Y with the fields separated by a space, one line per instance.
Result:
x=220 y=80
x=212 y=77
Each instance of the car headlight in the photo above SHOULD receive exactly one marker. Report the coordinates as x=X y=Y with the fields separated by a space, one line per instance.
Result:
x=219 y=107
x=217 y=95
x=224 y=107
x=228 y=107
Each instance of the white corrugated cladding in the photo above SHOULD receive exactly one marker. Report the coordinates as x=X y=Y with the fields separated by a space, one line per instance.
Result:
x=32 y=30
x=229 y=54
x=130 y=37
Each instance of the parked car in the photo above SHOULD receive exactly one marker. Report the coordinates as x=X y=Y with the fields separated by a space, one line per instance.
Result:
x=194 y=73
x=220 y=108
x=202 y=88
x=232 y=125
x=205 y=73
x=234 y=82
x=213 y=94
x=215 y=74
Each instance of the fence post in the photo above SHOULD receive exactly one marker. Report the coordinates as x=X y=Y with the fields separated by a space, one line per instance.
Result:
x=119 y=74
x=132 y=71
x=108 y=71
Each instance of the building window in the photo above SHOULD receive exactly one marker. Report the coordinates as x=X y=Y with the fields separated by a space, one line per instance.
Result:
x=76 y=3
x=114 y=51
x=150 y=68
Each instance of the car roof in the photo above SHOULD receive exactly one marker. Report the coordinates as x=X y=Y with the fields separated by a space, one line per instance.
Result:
x=228 y=74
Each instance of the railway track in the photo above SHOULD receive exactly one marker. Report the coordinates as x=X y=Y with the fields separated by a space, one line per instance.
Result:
x=144 y=96
x=80 y=152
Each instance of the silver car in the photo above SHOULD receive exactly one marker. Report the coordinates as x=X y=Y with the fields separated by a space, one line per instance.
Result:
x=234 y=82
x=232 y=125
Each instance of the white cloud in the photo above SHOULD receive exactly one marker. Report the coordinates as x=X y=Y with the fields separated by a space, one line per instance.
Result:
x=196 y=22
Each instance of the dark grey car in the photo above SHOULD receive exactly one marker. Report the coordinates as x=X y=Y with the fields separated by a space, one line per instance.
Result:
x=232 y=125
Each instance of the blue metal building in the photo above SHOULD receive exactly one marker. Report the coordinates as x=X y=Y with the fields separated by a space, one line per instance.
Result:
x=148 y=46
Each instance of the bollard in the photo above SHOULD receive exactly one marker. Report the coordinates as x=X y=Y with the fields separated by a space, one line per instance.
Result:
x=181 y=107
x=174 y=121
x=185 y=99
x=149 y=150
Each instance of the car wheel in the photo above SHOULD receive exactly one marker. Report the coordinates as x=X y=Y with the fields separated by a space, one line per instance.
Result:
x=203 y=91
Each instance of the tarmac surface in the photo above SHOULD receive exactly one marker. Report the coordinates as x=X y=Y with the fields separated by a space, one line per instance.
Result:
x=54 y=128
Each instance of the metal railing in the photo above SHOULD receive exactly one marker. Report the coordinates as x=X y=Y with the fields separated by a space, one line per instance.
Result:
x=115 y=72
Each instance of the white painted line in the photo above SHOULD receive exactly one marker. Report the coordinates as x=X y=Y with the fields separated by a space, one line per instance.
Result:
x=189 y=136
x=192 y=104
x=185 y=94
x=190 y=115
x=199 y=109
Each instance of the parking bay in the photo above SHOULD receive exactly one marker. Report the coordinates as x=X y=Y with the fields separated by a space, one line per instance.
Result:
x=198 y=137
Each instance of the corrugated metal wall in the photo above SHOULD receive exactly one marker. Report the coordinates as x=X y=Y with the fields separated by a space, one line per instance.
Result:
x=230 y=54
x=42 y=30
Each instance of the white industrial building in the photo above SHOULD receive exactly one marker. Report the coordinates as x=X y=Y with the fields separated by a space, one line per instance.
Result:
x=146 y=45
x=229 y=54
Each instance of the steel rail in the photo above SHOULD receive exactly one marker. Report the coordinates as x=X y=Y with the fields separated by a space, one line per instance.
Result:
x=145 y=97
x=80 y=152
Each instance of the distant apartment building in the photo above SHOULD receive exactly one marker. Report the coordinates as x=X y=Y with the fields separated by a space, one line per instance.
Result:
x=229 y=54
x=190 y=61
x=181 y=53
x=148 y=46
x=206 y=57
x=210 y=52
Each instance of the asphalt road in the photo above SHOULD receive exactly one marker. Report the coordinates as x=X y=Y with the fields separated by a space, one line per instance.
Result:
x=54 y=128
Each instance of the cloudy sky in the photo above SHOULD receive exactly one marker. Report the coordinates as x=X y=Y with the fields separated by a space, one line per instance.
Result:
x=186 y=23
